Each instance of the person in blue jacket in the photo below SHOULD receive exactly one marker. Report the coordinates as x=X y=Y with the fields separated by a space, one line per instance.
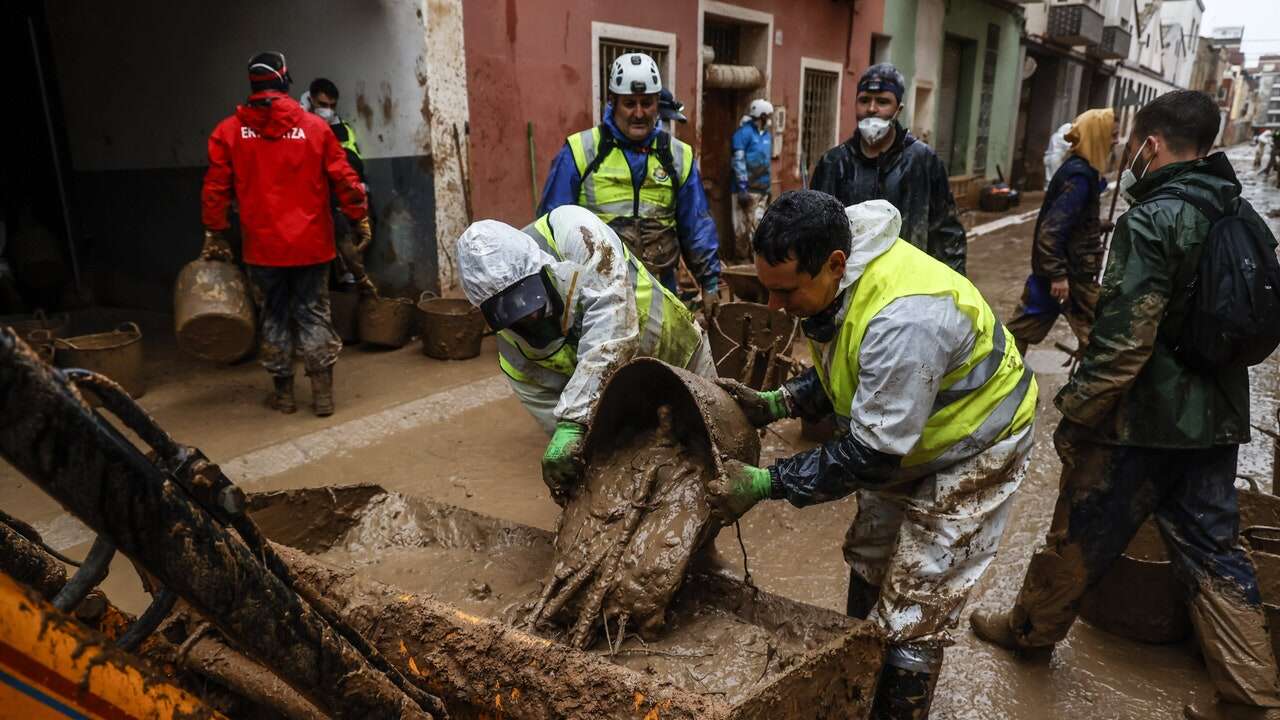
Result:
x=752 y=154
x=641 y=181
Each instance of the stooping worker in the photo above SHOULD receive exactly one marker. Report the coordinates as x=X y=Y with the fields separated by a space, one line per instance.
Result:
x=641 y=181
x=1066 y=253
x=935 y=412
x=281 y=163
x=571 y=303
x=752 y=146
x=883 y=160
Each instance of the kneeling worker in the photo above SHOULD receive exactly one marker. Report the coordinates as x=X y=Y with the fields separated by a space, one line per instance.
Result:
x=937 y=413
x=570 y=304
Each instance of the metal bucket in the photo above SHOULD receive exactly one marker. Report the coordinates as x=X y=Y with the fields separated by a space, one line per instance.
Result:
x=385 y=321
x=1139 y=598
x=344 y=311
x=750 y=343
x=451 y=327
x=744 y=283
x=116 y=354
x=213 y=315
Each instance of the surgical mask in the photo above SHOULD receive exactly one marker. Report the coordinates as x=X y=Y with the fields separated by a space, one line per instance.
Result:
x=1128 y=179
x=873 y=129
x=327 y=114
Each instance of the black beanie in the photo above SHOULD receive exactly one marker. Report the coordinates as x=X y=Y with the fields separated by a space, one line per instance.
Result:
x=268 y=71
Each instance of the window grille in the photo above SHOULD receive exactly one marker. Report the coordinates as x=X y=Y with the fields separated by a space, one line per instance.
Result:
x=819 y=126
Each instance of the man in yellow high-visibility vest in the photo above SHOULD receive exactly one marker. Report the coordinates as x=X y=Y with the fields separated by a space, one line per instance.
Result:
x=571 y=304
x=935 y=410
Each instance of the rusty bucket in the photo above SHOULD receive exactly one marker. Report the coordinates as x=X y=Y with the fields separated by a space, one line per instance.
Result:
x=1139 y=598
x=344 y=311
x=116 y=354
x=451 y=327
x=744 y=283
x=751 y=343
x=385 y=321
x=213 y=315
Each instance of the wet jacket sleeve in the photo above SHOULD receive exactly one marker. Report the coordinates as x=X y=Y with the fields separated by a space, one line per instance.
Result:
x=563 y=183
x=1135 y=292
x=1049 y=255
x=946 y=235
x=809 y=399
x=829 y=171
x=699 y=243
x=739 y=161
x=894 y=399
x=215 y=196
x=343 y=180
x=607 y=309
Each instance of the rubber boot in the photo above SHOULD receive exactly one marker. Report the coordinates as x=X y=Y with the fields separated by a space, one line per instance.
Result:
x=863 y=597
x=322 y=392
x=997 y=629
x=281 y=397
x=906 y=693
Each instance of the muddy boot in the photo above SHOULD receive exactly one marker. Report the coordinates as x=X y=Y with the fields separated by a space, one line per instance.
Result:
x=281 y=397
x=322 y=392
x=905 y=690
x=997 y=629
x=1228 y=711
x=862 y=598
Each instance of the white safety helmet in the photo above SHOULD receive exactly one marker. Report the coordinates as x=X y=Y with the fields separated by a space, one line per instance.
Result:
x=760 y=107
x=634 y=74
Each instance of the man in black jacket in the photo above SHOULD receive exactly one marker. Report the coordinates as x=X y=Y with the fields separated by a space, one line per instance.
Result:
x=884 y=161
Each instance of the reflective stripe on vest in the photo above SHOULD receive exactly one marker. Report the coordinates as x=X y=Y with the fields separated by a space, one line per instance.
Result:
x=668 y=330
x=350 y=142
x=609 y=192
x=991 y=396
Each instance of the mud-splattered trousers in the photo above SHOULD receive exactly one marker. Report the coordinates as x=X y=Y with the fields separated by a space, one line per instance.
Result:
x=1107 y=493
x=295 y=315
x=1034 y=317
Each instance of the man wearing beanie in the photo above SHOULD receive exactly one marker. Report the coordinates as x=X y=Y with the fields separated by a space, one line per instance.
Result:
x=279 y=162
x=884 y=161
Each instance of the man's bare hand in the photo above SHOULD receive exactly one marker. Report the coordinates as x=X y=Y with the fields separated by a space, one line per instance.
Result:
x=1060 y=289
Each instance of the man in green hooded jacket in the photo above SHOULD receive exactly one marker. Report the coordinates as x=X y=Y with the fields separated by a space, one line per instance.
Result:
x=1143 y=435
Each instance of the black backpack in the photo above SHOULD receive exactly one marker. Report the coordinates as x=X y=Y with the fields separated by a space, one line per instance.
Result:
x=1231 y=311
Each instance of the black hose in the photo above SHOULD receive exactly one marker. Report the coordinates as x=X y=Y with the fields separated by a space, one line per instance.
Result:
x=150 y=619
x=91 y=572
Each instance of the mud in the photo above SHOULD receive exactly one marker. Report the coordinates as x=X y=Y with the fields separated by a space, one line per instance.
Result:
x=385 y=321
x=451 y=328
x=1140 y=598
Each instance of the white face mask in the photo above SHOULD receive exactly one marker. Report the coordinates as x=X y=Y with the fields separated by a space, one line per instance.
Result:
x=327 y=114
x=1128 y=179
x=874 y=129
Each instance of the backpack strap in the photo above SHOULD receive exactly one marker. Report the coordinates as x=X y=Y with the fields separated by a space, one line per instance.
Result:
x=606 y=146
x=1211 y=213
x=662 y=148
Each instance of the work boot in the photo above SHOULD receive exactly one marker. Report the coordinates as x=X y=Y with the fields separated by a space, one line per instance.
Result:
x=281 y=397
x=1229 y=711
x=905 y=693
x=997 y=629
x=322 y=392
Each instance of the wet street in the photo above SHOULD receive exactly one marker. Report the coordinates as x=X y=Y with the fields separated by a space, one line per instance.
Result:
x=455 y=433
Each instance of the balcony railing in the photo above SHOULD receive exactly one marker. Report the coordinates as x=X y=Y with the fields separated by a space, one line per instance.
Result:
x=1075 y=24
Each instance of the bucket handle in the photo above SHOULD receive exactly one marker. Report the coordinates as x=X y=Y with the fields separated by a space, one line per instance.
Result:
x=1253 y=483
x=1253 y=530
x=40 y=335
x=427 y=295
x=128 y=327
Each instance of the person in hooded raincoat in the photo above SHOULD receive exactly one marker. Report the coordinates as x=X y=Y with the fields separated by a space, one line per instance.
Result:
x=571 y=303
x=935 y=411
x=752 y=146
x=281 y=164
x=1066 y=255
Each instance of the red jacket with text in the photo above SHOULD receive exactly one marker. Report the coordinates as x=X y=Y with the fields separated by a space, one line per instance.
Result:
x=282 y=162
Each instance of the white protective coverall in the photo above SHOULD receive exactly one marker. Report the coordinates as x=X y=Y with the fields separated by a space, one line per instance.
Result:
x=600 y=312
x=1056 y=153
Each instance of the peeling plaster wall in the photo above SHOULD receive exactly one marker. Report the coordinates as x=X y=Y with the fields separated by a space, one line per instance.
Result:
x=446 y=111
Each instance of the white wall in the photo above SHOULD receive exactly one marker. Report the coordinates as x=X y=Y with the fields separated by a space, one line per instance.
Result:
x=930 y=15
x=144 y=81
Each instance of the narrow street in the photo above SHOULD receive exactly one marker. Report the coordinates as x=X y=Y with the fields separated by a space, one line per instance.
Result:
x=455 y=433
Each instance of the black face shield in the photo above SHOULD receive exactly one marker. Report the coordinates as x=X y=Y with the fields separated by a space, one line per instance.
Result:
x=522 y=299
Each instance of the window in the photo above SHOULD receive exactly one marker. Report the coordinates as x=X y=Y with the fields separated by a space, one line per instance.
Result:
x=609 y=41
x=819 y=109
x=880 y=48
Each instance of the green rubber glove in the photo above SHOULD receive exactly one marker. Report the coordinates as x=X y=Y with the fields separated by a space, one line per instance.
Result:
x=761 y=408
x=738 y=490
x=561 y=466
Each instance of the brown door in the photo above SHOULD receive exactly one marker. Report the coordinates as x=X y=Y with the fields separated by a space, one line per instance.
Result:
x=720 y=115
x=948 y=97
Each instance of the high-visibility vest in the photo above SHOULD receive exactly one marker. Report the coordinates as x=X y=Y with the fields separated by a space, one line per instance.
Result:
x=608 y=191
x=987 y=399
x=350 y=142
x=668 y=330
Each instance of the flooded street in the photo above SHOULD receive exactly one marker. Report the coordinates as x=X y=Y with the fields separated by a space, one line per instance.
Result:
x=453 y=433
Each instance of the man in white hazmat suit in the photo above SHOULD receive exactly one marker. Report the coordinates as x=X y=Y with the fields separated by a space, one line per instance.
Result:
x=571 y=304
x=936 y=410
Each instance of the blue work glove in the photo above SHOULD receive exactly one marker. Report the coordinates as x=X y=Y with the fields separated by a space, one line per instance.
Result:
x=561 y=463
x=737 y=490
x=761 y=408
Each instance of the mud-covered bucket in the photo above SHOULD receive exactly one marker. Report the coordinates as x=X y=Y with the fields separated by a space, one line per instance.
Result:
x=1139 y=598
x=385 y=321
x=213 y=316
x=38 y=330
x=1263 y=543
x=344 y=311
x=116 y=354
x=744 y=283
x=750 y=343
x=451 y=327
